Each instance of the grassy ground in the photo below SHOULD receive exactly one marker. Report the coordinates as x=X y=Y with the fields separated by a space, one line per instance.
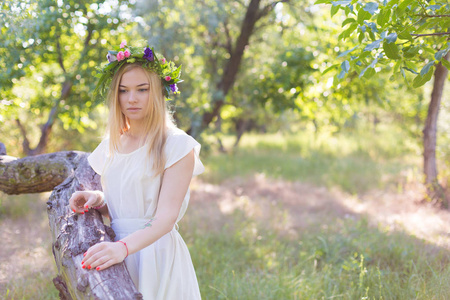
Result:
x=354 y=161
x=349 y=260
x=273 y=240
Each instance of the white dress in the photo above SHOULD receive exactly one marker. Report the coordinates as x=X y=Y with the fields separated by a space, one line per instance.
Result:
x=163 y=270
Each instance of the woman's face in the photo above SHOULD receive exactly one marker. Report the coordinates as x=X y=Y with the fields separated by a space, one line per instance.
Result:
x=134 y=90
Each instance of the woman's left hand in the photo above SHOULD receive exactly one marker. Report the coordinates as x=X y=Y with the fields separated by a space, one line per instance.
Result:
x=104 y=255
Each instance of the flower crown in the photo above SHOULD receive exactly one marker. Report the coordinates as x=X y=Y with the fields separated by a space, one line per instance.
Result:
x=166 y=70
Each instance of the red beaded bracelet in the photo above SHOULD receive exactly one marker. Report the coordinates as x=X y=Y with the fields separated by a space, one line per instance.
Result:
x=126 y=247
x=100 y=206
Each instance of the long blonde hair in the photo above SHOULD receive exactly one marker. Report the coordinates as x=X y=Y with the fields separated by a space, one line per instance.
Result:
x=156 y=124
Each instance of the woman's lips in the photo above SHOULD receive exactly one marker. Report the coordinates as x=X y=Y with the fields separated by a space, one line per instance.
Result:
x=133 y=109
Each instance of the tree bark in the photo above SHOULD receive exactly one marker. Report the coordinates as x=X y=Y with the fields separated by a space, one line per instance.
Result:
x=35 y=174
x=434 y=190
x=72 y=233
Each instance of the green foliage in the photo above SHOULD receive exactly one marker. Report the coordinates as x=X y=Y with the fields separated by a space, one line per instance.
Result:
x=408 y=33
x=50 y=46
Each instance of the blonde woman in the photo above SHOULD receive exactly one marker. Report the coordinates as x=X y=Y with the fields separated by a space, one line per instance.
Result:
x=146 y=165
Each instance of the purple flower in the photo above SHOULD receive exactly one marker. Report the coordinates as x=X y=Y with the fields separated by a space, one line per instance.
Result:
x=111 y=57
x=173 y=88
x=148 y=54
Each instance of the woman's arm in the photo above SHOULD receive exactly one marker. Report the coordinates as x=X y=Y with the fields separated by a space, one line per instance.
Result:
x=175 y=182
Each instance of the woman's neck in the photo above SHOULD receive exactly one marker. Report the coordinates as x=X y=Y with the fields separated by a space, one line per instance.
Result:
x=136 y=131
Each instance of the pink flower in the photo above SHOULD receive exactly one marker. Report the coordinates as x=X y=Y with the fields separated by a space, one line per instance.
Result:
x=120 y=55
x=168 y=78
x=123 y=44
x=127 y=53
x=163 y=60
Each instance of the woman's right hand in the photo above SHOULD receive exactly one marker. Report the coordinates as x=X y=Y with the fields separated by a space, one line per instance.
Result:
x=81 y=201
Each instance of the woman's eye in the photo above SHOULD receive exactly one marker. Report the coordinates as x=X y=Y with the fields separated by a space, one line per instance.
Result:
x=122 y=91
x=143 y=90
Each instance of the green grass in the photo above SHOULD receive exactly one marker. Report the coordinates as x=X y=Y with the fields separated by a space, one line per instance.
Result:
x=350 y=260
x=37 y=285
x=354 y=161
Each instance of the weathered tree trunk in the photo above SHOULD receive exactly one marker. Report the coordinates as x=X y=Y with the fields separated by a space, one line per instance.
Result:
x=72 y=233
x=434 y=190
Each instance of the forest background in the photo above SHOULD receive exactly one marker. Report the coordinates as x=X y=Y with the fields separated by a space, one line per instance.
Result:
x=311 y=120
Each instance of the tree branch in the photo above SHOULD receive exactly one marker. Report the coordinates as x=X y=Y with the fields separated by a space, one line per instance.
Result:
x=35 y=174
x=229 y=45
x=433 y=16
x=266 y=9
x=60 y=59
x=431 y=34
x=26 y=142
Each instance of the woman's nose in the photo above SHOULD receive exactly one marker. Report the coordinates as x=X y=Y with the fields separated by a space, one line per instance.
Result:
x=132 y=97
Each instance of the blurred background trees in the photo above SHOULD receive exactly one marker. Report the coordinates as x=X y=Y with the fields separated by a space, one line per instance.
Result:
x=248 y=66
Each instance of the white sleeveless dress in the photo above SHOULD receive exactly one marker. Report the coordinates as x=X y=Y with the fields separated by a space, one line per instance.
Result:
x=163 y=270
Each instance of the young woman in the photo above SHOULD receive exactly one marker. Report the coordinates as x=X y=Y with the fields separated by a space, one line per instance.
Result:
x=146 y=165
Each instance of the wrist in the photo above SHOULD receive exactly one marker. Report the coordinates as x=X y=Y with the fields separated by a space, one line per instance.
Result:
x=100 y=200
x=126 y=247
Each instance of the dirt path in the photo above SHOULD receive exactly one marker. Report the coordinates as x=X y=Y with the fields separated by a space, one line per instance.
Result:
x=308 y=206
x=25 y=251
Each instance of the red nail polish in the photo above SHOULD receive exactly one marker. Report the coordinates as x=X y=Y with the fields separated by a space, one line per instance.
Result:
x=84 y=254
x=87 y=206
x=89 y=267
x=73 y=210
x=86 y=210
x=98 y=268
x=82 y=212
x=83 y=266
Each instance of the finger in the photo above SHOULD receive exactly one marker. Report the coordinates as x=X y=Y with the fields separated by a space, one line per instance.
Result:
x=87 y=262
x=92 y=199
x=92 y=254
x=105 y=265
x=103 y=258
x=74 y=202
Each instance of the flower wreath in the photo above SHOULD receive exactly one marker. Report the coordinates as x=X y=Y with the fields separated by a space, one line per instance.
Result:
x=166 y=70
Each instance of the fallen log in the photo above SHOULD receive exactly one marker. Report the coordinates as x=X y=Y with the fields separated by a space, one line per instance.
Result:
x=72 y=234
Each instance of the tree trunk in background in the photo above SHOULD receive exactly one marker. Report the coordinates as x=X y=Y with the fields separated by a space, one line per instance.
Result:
x=72 y=233
x=434 y=190
x=241 y=127
x=46 y=129
x=253 y=14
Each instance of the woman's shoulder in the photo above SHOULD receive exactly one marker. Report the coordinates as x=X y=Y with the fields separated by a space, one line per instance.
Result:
x=178 y=145
x=175 y=131
x=177 y=137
